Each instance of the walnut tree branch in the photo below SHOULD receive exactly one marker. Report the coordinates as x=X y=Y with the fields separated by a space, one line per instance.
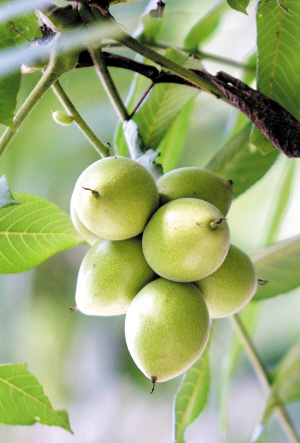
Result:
x=278 y=125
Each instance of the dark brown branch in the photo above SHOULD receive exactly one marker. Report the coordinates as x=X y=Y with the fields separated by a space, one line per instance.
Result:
x=278 y=125
x=274 y=121
x=118 y=61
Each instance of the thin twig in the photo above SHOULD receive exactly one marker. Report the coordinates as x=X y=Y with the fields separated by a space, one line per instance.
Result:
x=100 y=147
x=141 y=100
x=108 y=83
x=200 y=54
x=48 y=78
x=264 y=377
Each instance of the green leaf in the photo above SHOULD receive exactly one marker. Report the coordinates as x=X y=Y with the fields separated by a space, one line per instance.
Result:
x=285 y=382
x=33 y=231
x=172 y=145
x=286 y=376
x=282 y=199
x=192 y=394
x=279 y=265
x=239 y=5
x=163 y=104
x=242 y=163
x=278 y=40
x=249 y=316
x=205 y=27
x=9 y=84
x=23 y=402
x=152 y=22
x=25 y=28
x=159 y=109
x=6 y=199
x=18 y=30
x=152 y=28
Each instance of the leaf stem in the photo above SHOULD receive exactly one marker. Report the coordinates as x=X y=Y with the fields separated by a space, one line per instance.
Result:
x=58 y=65
x=264 y=377
x=108 y=83
x=100 y=147
x=212 y=57
x=170 y=65
x=197 y=53
x=48 y=78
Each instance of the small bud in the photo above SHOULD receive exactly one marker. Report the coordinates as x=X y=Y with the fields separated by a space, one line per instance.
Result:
x=62 y=118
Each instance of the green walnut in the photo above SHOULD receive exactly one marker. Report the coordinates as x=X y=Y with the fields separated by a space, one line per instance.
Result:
x=115 y=197
x=186 y=240
x=82 y=230
x=230 y=287
x=194 y=182
x=166 y=328
x=110 y=275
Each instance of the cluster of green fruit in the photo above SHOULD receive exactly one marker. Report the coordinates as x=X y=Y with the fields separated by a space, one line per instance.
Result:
x=161 y=254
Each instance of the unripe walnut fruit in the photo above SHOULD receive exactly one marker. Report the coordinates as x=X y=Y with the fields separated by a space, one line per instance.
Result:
x=194 y=182
x=186 y=239
x=85 y=233
x=115 y=197
x=231 y=286
x=166 y=328
x=110 y=275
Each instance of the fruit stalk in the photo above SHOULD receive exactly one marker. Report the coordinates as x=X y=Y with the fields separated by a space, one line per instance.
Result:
x=144 y=50
x=100 y=147
x=264 y=377
x=108 y=83
x=58 y=65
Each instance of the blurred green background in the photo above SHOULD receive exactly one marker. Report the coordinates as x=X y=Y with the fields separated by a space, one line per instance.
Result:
x=82 y=362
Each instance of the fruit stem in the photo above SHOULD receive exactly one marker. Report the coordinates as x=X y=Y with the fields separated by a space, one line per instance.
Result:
x=264 y=377
x=51 y=74
x=100 y=147
x=203 y=83
x=198 y=53
x=107 y=82
x=72 y=310
x=153 y=381
x=59 y=63
x=95 y=193
x=214 y=224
